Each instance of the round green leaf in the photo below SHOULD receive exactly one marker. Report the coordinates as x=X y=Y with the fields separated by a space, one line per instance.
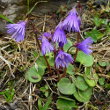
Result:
x=83 y=96
x=86 y=60
x=51 y=61
x=41 y=62
x=63 y=104
x=80 y=83
x=102 y=81
x=66 y=87
x=91 y=79
x=70 y=69
x=67 y=45
x=102 y=63
x=34 y=74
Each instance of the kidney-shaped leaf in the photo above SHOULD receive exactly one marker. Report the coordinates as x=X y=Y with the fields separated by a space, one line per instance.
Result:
x=70 y=69
x=63 y=104
x=83 y=96
x=91 y=79
x=35 y=74
x=66 y=87
x=80 y=83
x=86 y=60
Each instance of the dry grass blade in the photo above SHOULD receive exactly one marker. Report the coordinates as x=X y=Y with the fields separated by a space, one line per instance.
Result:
x=7 y=62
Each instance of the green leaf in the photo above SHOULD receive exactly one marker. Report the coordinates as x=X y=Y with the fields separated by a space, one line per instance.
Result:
x=95 y=34
x=63 y=104
x=8 y=94
x=35 y=74
x=101 y=63
x=70 y=69
x=102 y=81
x=40 y=104
x=108 y=30
x=107 y=85
x=46 y=94
x=41 y=62
x=46 y=106
x=83 y=96
x=5 y=18
x=86 y=60
x=91 y=78
x=97 y=21
x=48 y=102
x=68 y=45
x=66 y=87
x=44 y=89
x=80 y=83
x=50 y=58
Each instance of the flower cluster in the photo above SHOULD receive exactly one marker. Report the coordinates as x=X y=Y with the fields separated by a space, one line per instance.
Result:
x=70 y=24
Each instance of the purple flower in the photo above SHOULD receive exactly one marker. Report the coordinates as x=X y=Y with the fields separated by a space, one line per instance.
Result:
x=85 y=45
x=59 y=35
x=46 y=46
x=61 y=44
x=63 y=59
x=47 y=35
x=17 y=30
x=72 y=22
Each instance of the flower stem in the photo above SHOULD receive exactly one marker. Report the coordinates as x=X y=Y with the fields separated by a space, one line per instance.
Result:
x=37 y=40
x=78 y=39
x=64 y=74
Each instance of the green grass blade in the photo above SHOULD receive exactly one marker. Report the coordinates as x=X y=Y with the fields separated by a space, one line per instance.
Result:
x=49 y=100
x=5 y=18
x=34 y=7
x=28 y=5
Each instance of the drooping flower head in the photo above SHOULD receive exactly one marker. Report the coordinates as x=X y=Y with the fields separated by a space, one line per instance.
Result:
x=17 y=31
x=63 y=59
x=46 y=47
x=72 y=22
x=85 y=45
x=47 y=35
x=59 y=34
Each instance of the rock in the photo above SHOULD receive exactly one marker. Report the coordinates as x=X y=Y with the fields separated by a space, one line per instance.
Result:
x=12 y=11
x=11 y=1
x=2 y=27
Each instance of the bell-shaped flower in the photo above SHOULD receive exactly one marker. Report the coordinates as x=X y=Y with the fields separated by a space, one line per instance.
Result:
x=85 y=45
x=72 y=22
x=17 y=31
x=63 y=59
x=59 y=34
x=46 y=46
